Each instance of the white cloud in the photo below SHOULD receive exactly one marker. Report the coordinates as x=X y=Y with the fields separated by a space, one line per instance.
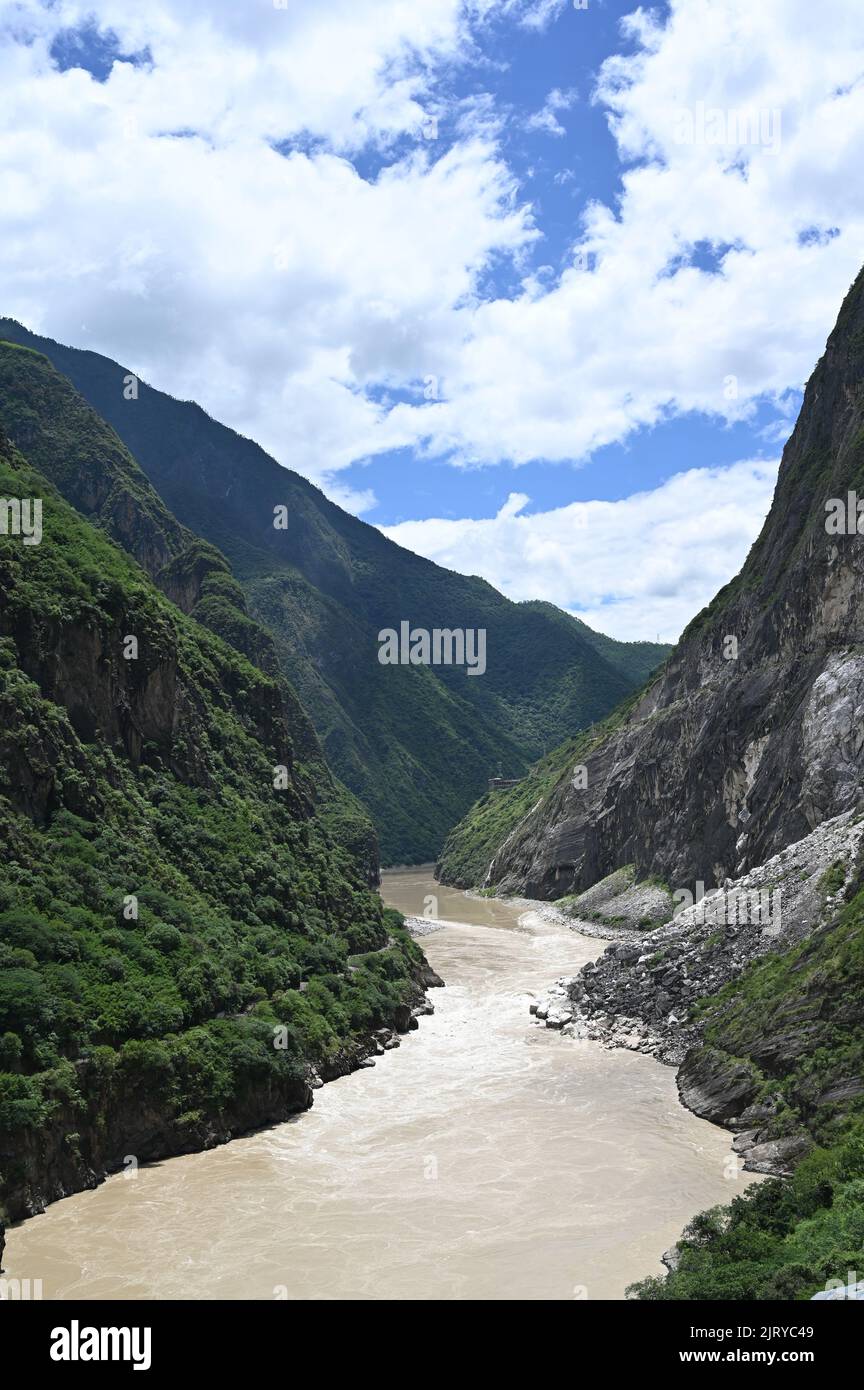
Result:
x=636 y=568
x=271 y=287
x=626 y=343
x=546 y=119
x=307 y=305
x=347 y=69
x=536 y=14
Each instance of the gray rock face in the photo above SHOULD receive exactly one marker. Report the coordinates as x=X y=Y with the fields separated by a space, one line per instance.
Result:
x=753 y=733
x=641 y=994
x=649 y=987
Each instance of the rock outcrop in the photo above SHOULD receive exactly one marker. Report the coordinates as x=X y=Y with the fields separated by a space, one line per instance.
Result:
x=752 y=734
x=656 y=993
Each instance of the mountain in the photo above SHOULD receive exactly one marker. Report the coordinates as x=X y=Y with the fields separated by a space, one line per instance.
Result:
x=75 y=449
x=416 y=744
x=188 y=939
x=635 y=660
x=750 y=735
x=713 y=826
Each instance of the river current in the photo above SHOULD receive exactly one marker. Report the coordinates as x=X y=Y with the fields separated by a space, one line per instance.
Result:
x=485 y=1158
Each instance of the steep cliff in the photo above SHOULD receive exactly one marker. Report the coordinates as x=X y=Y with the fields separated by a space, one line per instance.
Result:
x=751 y=734
x=736 y=778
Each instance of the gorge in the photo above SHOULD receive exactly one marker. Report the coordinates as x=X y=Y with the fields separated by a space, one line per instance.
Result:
x=261 y=963
x=478 y=1160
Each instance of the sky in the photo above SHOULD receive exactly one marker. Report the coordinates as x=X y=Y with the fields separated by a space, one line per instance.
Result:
x=532 y=285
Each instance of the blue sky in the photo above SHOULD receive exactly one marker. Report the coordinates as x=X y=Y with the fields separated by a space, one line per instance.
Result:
x=560 y=174
x=535 y=288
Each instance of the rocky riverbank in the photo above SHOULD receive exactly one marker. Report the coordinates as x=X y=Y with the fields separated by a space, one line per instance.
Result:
x=644 y=992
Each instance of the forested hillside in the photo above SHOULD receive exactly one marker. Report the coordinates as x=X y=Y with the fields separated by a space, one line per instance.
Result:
x=186 y=928
x=417 y=744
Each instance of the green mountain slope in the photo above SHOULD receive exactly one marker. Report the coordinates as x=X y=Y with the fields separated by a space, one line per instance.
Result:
x=75 y=449
x=171 y=889
x=635 y=660
x=416 y=744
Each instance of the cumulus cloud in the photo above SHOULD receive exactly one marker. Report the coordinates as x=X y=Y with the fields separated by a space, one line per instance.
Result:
x=165 y=217
x=197 y=214
x=201 y=215
x=348 y=70
x=637 y=568
x=715 y=280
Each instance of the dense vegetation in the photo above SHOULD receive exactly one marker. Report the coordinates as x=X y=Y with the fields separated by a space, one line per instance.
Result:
x=415 y=744
x=781 y=1240
x=796 y=1021
x=74 y=448
x=635 y=660
x=166 y=899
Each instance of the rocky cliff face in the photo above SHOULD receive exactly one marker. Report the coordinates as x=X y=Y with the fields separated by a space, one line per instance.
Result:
x=737 y=778
x=752 y=733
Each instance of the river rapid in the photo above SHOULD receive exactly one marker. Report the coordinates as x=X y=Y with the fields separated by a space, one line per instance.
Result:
x=485 y=1158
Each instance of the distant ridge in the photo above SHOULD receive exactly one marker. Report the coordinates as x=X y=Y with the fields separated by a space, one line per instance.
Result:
x=416 y=744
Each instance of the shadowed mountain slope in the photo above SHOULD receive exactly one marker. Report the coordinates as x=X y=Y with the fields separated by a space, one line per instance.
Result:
x=416 y=744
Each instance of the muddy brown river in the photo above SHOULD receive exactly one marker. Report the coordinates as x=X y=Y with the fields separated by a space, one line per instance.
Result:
x=486 y=1158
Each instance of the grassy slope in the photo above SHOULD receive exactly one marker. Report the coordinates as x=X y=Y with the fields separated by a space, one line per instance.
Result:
x=243 y=892
x=471 y=845
x=416 y=745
